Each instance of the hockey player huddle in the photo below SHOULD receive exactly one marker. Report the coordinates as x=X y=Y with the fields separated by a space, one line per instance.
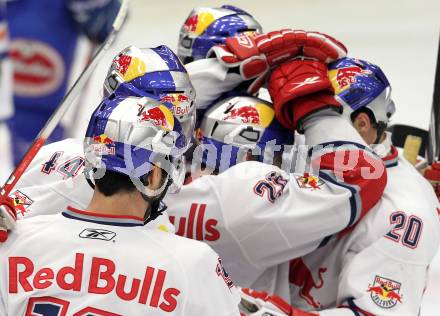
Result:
x=294 y=206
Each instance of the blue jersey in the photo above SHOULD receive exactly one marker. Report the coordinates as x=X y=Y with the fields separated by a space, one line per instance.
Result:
x=5 y=67
x=44 y=35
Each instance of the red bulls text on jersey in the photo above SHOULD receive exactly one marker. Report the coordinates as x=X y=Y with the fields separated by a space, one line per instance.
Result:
x=196 y=225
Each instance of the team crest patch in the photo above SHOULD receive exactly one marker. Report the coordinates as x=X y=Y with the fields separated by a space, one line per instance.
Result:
x=21 y=202
x=308 y=181
x=385 y=292
x=222 y=272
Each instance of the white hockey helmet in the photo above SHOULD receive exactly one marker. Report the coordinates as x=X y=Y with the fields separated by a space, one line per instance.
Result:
x=129 y=135
x=240 y=125
x=206 y=27
x=156 y=73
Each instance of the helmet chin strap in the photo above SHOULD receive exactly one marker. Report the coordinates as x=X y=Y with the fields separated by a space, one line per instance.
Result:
x=155 y=209
x=380 y=129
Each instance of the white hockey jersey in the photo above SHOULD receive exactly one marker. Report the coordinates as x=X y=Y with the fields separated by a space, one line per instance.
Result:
x=256 y=216
x=370 y=273
x=78 y=263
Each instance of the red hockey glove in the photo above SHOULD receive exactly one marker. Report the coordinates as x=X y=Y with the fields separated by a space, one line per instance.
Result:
x=432 y=173
x=8 y=217
x=299 y=88
x=255 y=303
x=255 y=55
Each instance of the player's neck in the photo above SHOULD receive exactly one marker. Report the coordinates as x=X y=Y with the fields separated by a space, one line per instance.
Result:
x=131 y=204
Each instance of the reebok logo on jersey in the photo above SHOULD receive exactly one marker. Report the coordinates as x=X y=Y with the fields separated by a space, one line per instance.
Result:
x=385 y=292
x=99 y=276
x=204 y=230
x=96 y=233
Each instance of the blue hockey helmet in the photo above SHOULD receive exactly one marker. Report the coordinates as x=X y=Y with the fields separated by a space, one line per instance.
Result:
x=155 y=73
x=206 y=27
x=237 y=126
x=360 y=84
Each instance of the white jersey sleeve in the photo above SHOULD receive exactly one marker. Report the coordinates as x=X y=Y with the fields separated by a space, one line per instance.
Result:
x=55 y=179
x=216 y=282
x=210 y=79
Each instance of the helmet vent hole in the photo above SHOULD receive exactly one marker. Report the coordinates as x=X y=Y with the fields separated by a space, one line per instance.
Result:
x=229 y=108
x=214 y=128
x=250 y=134
x=112 y=82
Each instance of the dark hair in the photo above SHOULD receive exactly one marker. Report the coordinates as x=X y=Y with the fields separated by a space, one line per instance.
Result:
x=114 y=182
x=366 y=111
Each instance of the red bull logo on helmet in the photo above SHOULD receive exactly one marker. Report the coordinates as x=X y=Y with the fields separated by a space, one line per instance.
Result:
x=103 y=139
x=160 y=116
x=122 y=63
x=198 y=22
x=247 y=114
x=260 y=114
x=342 y=78
x=190 y=24
x=385 y=292
x=180 y=102
x=129 y=67
x=103 y=145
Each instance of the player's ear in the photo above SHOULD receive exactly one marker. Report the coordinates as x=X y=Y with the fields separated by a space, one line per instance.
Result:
x=362 y=123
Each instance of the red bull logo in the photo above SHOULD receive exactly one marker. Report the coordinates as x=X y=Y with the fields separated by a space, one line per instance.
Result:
x=190 y=24
x=122 y=63
x=342 y=78
x=179 y=102
x=247 y=114
x=103 y=139
x=159 y=116
x=21 y=202
x=301 y=276
x=198 y=22
x=385 y=292
x=308 y=181
x=104 y=145
x=129 y=67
